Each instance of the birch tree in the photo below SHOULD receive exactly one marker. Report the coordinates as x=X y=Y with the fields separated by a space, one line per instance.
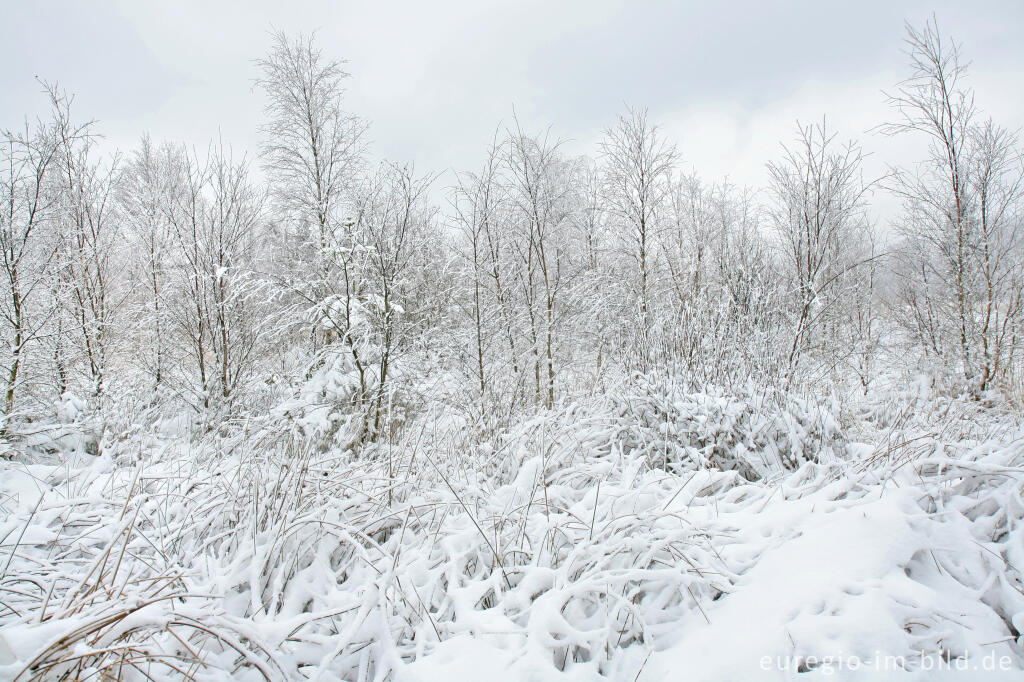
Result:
x=637 y=165
x=961 y=223
x=90 y=253
x=477 y=204
x=819 y=200
x=29 y=161
x=218 y=311
x=147 y=198
x=541 y=189
x=396 y=220
x=313 y=155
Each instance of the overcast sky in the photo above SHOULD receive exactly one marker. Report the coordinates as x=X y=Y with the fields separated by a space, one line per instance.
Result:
x=725 y=80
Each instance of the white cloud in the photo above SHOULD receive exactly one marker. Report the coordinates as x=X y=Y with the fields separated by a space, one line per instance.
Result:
x=435 y=79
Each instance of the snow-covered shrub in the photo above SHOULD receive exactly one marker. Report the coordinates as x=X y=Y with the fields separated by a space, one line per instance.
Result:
x=757 y=433
x=268 y=555
x=324 y=406
x=561 y=545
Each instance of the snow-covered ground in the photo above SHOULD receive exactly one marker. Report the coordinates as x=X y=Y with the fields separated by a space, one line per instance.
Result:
x=590 y=543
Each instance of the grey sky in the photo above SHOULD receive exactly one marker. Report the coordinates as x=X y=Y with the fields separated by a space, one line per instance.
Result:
x=725 y=80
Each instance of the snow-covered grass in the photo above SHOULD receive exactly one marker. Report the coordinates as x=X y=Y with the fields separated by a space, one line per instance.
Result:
x=657 y=535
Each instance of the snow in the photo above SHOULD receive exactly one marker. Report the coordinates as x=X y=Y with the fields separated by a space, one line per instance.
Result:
x=573 y=547
x=23 y=485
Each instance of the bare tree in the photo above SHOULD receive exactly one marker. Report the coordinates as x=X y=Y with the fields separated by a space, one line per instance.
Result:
x=819 y=204
x=313 y=153
x=395 y=218
x=28 y=163
x=89 y=255
x=147 y=198
x=997 y=253
x=961 y=223
x=497 y=237
x=637 y=166
x=476 y=201
x=934 y=101
x=865 y=309
x=216 y=219
x=186 y=216
x=693 y=222
x=600 y=300
x=542 y=191
x=947 y=224
x=232 y=225
x=720 y=325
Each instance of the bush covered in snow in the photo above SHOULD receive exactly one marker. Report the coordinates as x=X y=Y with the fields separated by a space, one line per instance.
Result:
x=566 y=549
x=757 y=433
